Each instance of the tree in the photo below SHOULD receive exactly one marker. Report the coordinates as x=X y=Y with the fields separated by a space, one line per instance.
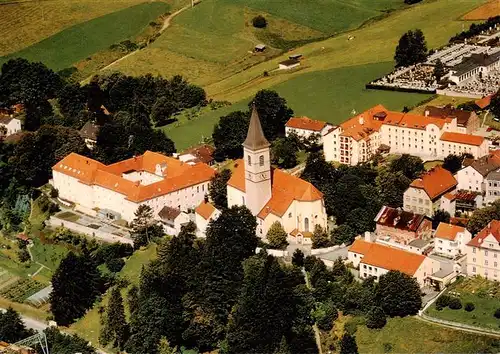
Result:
x=398 y=294
x=319 y=237
x=23 y=255
x=391 y=186
x=218 y=188
x=440 y=216
x=145 y=227
x=114 y=265
x=442 y=301
x=283 y=347
x=412 y=49
x=298 y=258
x=439 y=70
x=162 y=111
x=116 y=322
x=453 y=163
x=455 y=303
x=360 y=220
x=495 y=105
x=12 y=328
x=482 y=217
x=343 y=234
x=284 y=153
x=67 y=300
x=165 y=348
x=133 y=299
x=375 y=318
x=497 y=313
x=62 y=343
x=229 y=134
x=259 y=21
x=325 y=314
x=273 y=113
x=469 y=307
x=411 y=166
x=348 y=344
x=72 y=100
x=277 y=236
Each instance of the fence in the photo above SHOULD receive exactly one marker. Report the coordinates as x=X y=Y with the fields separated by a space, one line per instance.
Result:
x=461 y=325
x=275 y=253
x=326 y=249
x=98 y=234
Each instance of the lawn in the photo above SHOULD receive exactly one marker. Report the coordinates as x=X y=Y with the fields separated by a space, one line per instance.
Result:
x=484 y=294
x=48 y=255
x=27 y=23
x=77 y=42
x=68 y=216
x=329 y=95
x=439 y=101
x=89 y=326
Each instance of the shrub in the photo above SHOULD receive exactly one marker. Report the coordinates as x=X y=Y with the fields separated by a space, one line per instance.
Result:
x=469 y=307
x=298 y=258
x=259 y=21
x=23 y=255
x=497 y=313
x=325 y=315
x=442 y=301
x=455 y=303
x=375 y=318
x=115 y=265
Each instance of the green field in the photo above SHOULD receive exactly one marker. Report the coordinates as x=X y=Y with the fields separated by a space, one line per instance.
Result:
x=329 y=95
x=82 y=40
x=484 y=294
x=410 y=335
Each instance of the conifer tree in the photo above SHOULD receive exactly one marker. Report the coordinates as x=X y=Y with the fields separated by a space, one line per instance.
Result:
x=116 y=322
x=12 y=328
x=348 y=344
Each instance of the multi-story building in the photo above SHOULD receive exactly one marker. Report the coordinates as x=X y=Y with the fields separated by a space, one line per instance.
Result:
x=483 y=252
x=492 y=186
x=150 y=179
x=305 y=127
x=467 y=121
x=271 y=194
x=401 y=226
x=474 y=172
x=359 y=138
x=451 y=240
x=374 y=259
x=425 y=193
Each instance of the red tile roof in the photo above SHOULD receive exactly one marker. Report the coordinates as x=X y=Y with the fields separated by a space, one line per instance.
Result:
x=484 y=102
x=493 y=229
x=399 y=219
x=177 y=175
x=305 y=123
x=285 y=189
x=448 y=231
x=462 y=138
x=306 y=234
x=435 y=182
x=205 y=210
x=389 y=258
x=203 y=153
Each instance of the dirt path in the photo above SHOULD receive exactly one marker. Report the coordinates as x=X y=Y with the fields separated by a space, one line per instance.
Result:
x=166 y=24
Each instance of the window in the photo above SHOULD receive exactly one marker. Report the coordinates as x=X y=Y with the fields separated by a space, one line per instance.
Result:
x=306 y=224
x=364 y=266
x=249 y=160
x=485 y=252
x=486 y=263
x=289 y=215
x=243 y=200
x=473 y=269
x=474 y=250
x=261 y=160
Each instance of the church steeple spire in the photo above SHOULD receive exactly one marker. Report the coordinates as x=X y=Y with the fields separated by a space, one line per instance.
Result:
x=255 y=137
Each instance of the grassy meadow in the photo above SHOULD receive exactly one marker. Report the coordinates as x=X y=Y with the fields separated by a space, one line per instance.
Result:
x=82 y=40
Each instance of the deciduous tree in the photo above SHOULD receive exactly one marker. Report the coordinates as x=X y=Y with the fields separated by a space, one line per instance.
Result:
x=482 y=217
x=375 y=318
x=412 y=49
x=277 y=236
x=284 y=153
x=440 y=216
x=218 y=188
x=320 y=237
x=273 y=112
x=399 y=294
x=228 y=135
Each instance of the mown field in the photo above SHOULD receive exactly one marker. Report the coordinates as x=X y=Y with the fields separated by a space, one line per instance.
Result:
x=492 y=8
x=82 y=40
x=329 y=95
x=26 y=23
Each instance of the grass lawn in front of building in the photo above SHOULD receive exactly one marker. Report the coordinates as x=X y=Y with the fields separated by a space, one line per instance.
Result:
x=483 y=293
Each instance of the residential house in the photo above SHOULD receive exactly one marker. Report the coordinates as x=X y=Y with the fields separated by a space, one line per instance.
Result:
x=483 y=252
x=484 y=103
x=474 y=172
x=305 y=127
x=359 y=138
x=492 y=186
x=271 y=194
x=89 y=133
x=9 y=125
x=451 y=240
x=467 y=122
x=401 y=226
x=172 y=220
x=150 y=179
x=374 y=259
x=203 y=153
x=425 y=193
x=204 y=214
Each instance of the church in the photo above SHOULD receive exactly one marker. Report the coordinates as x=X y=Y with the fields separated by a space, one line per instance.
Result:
x=271 y=194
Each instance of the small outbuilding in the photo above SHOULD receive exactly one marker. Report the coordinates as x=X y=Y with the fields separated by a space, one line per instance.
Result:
x=295 y=56
x=289 y=64
x=260 y=48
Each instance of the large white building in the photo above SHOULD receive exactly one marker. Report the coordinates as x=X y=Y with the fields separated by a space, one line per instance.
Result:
x=483 y=252
x=359 y=138
x=271 y=194
x=306 y=127
x=118 y=189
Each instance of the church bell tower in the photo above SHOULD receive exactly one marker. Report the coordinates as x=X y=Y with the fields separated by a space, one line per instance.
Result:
x=257 y=166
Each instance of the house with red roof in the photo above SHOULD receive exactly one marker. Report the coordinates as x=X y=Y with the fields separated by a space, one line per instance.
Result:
x=305 y=127
x=204 y=214
x=483 y=252
x=378 y=129
x=402 y=227
x=451 y=240
x=424 y=195
x=271 y=194
x=150 y=179
x=374 y=260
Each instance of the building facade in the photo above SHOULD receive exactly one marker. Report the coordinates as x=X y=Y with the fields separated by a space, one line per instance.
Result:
x=305 y=127
x=359 y=138
x=401 y=226
x=483 y=252
x=9 y=126
x=271 y=194
x=451 y=240
x=204 y=214
x=150 y=179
